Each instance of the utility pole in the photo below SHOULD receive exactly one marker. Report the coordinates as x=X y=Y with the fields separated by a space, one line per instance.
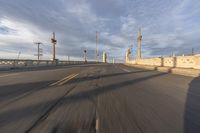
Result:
x=19 y=55
x=54 y=41
x=39 y=50
x=96 y=52
x=68 y=58
x=85 y=56
x=192 y=51
x=139 y=44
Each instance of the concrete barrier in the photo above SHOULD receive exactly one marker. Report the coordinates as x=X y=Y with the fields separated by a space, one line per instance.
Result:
x=142 y=66
x=7 y=64
x=183 y=65
x=178 y=61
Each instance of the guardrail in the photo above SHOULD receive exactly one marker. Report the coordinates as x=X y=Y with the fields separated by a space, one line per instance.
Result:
x=14 y=63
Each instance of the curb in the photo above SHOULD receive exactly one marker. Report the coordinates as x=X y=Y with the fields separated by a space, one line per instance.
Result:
x=178 y=71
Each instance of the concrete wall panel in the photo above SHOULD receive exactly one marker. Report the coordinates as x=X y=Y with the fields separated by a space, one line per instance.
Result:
x=177 y=62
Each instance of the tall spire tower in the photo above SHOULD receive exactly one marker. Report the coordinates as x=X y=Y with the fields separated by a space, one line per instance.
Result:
x=139 y=44
x=96 y=51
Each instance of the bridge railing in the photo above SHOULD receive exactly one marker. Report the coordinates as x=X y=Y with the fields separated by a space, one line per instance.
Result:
x=192 y=62
x=14 y=63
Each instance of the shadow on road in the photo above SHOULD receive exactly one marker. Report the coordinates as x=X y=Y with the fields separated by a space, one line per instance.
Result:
x=112 y=87
x=82 y=79
x=13 y=91
x=15 y=114
x=192 y=108
x=191 y=114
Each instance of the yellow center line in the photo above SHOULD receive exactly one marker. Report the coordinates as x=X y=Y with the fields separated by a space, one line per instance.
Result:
x=66 y=80
x=1 y=76
x=61 y=80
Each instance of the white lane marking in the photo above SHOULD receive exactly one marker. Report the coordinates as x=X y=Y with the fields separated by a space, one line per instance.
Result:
x=61 y=80
x=97 y=125
x=1 y=76
x=126 y=70
x=66 y=80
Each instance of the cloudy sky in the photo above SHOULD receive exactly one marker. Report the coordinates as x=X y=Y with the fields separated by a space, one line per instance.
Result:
x=167 y=26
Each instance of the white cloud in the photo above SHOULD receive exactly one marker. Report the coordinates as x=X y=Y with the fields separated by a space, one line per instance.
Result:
x=128 y=25
x=24 y=33
x=166 y=25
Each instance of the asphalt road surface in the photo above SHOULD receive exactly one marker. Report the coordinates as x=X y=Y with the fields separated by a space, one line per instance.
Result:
x=102 y=98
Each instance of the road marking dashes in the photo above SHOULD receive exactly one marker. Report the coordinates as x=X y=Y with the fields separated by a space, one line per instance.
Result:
x=126 y=70
x=97 y=126
x=64 y=80
x=1 y=76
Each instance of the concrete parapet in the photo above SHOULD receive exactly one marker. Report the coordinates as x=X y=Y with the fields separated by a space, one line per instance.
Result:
x=168 y=62
x=143 y=66
x=192 y=62
x=7 y=64
x=185 y=61
x=197 y=62
x=150 y=61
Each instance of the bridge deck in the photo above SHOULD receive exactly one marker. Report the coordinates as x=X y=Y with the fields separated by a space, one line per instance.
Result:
x=98 y=98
